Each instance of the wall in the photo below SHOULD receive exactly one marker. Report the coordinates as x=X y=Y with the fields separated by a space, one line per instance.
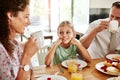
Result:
x=101 y=3
x=99 y=9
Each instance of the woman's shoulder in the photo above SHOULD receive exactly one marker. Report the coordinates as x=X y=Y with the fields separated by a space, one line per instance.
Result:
x=2 y=51
x=1 y=46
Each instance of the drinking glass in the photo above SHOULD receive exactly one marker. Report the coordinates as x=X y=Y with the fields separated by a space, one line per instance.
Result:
x=72 y=64
x=72 y=68
x=77 y=75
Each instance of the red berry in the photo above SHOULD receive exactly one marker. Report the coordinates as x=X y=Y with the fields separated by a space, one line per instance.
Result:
x=78 y=65
x=48 y=78
x=110 y=61
x=104 y=68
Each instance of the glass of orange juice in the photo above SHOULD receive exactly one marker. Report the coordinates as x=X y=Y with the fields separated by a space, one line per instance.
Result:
x=76 y=76
x=72 y=68
x=72 y=64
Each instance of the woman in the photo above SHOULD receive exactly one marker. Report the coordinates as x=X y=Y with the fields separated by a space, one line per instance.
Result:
x=66 y=46
x=14 y=58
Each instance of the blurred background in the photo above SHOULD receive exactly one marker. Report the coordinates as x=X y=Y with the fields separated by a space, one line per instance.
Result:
x=46 y=15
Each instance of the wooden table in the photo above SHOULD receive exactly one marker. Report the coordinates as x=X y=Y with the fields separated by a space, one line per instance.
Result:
x=89 y=72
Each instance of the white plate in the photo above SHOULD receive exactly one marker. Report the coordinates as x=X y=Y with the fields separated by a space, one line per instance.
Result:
x=98 y=67
x=81 y=62
x=112 y=78
x=111 y=56
x=53 y=77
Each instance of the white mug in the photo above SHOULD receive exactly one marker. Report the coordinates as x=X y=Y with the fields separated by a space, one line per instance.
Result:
x=39 y=37
x=113 y=26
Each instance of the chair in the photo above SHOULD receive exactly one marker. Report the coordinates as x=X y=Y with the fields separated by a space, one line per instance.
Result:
x=39 y=57
x=42 y=54
x=48 y=37
x=34 y=60
x=79 y=35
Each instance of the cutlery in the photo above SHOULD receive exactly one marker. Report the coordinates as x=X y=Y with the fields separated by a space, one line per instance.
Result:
x=56 y=73
x=39 y=75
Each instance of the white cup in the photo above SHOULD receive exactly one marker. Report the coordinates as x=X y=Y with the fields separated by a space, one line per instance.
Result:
x=113 y=26
x=39 y=37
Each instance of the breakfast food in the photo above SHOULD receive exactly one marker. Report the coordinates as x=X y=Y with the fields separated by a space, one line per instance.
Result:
x=108 y=63
x=52 y=78
x=116 y=58
x=48 y=78
x=111 y=67
x=112 y=70
x=118 y=65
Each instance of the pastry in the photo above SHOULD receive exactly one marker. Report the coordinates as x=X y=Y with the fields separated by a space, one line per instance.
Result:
x=116 y=58
x=112 y=70
x=108 y=63
x=118 y=65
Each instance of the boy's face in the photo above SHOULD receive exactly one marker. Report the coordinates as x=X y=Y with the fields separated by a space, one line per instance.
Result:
x=66 y=34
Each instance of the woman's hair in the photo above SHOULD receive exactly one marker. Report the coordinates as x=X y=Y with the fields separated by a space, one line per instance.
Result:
x=13 y=6
x=116 y=4
x=66 y=23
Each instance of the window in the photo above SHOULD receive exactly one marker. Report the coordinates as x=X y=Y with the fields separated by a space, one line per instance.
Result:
x=47 y=14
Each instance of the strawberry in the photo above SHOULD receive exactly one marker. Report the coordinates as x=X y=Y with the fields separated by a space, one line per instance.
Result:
x=48 y=78
x=78 y=65
x=104 y=68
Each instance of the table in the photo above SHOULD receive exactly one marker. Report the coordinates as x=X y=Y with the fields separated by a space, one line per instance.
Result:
x=89 y=72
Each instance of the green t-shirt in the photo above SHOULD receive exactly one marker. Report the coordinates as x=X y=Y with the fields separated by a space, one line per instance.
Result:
x=62 y=54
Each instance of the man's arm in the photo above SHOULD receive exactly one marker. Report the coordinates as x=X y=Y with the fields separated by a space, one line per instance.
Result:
x=88 y=38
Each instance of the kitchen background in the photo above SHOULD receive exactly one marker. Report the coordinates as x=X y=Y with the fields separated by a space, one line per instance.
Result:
x=47 y=14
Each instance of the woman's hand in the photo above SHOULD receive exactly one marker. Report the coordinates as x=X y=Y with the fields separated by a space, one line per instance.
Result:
x=31 y=46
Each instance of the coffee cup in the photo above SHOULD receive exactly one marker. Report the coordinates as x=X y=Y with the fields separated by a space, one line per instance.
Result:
x=113 y=26
x=39 y=37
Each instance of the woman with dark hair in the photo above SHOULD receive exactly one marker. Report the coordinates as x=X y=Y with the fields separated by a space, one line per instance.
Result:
x=14 y=58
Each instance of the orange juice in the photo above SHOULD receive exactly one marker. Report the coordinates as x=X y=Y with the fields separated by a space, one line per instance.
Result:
x=76 y=76
x=72 y=68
